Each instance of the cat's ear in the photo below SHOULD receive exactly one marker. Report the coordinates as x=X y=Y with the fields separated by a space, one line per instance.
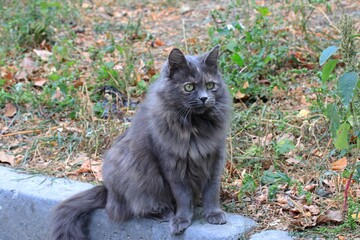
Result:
x=176 y=61
x=211 y=58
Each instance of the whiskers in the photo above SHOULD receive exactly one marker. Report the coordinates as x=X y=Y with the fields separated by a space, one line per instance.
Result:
x=182 y=112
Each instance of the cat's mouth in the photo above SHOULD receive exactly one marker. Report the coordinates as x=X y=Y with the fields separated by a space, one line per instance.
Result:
x=201 y=108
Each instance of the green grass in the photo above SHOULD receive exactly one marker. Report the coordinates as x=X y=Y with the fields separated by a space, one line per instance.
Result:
x=269 y=72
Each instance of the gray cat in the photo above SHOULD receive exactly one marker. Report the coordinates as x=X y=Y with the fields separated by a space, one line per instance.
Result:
x=173 y=153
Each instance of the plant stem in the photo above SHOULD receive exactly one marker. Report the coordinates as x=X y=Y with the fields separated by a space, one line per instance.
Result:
x=346 y=192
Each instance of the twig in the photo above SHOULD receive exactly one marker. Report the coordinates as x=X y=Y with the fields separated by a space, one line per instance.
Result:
x=27 y=132
x=184 y=36
x=326 y=17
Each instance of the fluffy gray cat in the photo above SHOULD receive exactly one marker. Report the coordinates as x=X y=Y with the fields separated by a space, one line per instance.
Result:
x=173 y=153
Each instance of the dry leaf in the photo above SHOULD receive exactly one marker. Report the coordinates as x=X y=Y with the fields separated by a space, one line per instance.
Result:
x=239 y=95
x=246 y=85
x=282 y=199
x=313 y=209
x=292 y=161
x=330 y=216
x=278 y=93
x=356 y=217
x=5 y=158
x=28 y=65
x=304 y=113
x=21 y=75
x=40 y=83
x=94 y=167
x=339 y=165
x=310 y=187
x=43 y=54
x=78 y=83
x=158 y=43
x=266 y=140
x=57 y=95
x=10 y=110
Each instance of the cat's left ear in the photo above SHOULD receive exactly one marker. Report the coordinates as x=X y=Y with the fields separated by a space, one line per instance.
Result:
x=176 y=61
x=211 y=58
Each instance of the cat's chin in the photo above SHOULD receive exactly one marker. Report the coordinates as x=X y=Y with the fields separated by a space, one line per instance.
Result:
x=200 y=109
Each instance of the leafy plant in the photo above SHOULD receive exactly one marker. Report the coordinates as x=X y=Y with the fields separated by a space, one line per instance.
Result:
x=251 y=52
x=28 y=23
x=344 y=114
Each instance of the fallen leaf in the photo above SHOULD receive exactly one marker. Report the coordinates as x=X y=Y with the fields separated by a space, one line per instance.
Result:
x=91 y=166
x=313 y=209
x=158 y=43
x=43 y=54
x=78 y=83
x=239 y=95
x=330 y=216
x=310 y=187
x=356 y=217
x=40 y=83
x=10 y=110
x=57 y=95
x=21 y=75
x=292 y=161
x=303 y=113
x=339 y=165
x=28 y=64
x=266 y=140
x=6 y=158
x=246 y=85
x=282 y=199
x=278 y=93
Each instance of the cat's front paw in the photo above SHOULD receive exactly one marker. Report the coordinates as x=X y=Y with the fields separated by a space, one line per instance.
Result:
x=178 y=224
x=216 y=217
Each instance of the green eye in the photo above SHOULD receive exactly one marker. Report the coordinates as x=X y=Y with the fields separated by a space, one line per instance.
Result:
x=210 y=85
x=189 y=87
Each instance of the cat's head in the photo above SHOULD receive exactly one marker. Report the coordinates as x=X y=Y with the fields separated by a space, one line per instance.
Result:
x=193 y=82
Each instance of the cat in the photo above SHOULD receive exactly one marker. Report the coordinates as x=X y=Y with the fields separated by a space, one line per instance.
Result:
x=173 y=153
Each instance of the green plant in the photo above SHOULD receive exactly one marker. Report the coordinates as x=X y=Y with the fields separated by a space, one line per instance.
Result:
x=27 y=23
x=344 y=113
x=252 y=52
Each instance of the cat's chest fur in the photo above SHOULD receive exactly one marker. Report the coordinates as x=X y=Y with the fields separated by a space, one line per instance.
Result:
x=191 y=142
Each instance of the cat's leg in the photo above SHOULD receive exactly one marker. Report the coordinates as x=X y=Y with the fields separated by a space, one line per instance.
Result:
x=116 y=208
x=184 y=207
x=163 y=216
x=210 y=195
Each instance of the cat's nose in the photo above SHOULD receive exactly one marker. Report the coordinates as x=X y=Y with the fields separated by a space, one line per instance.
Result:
x=203 y=99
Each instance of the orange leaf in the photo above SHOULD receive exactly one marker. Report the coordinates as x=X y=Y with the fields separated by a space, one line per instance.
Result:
x=159 y=43
x=239 y=95
x=339 y=164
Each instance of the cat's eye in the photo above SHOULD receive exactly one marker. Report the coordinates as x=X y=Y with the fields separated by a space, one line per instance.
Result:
x=189 y=87
x=210 y=85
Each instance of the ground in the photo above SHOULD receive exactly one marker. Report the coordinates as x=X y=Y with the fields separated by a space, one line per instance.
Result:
x=72 y=80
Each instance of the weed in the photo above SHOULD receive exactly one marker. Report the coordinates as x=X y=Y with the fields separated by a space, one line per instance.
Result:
x=252 y=52
x=343 y=114
x=26 y=24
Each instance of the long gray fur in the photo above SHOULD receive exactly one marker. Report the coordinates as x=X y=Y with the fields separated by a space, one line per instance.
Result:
x=172 y=155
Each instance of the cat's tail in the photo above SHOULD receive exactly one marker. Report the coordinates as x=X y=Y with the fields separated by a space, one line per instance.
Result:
x=71 y=216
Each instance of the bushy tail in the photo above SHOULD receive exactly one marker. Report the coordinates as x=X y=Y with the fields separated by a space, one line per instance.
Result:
x=71 y=216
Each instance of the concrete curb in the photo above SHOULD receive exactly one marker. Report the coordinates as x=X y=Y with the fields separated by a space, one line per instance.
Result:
x=26 y=202
x=271 y=235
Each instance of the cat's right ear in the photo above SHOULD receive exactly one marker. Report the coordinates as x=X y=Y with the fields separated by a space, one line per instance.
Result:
x=176 y=61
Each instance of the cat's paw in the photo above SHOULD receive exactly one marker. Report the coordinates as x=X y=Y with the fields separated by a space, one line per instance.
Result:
x=216 y=217
x=178 y=224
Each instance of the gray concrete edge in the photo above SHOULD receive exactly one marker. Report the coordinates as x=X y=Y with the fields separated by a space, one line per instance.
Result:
x=26 y=202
